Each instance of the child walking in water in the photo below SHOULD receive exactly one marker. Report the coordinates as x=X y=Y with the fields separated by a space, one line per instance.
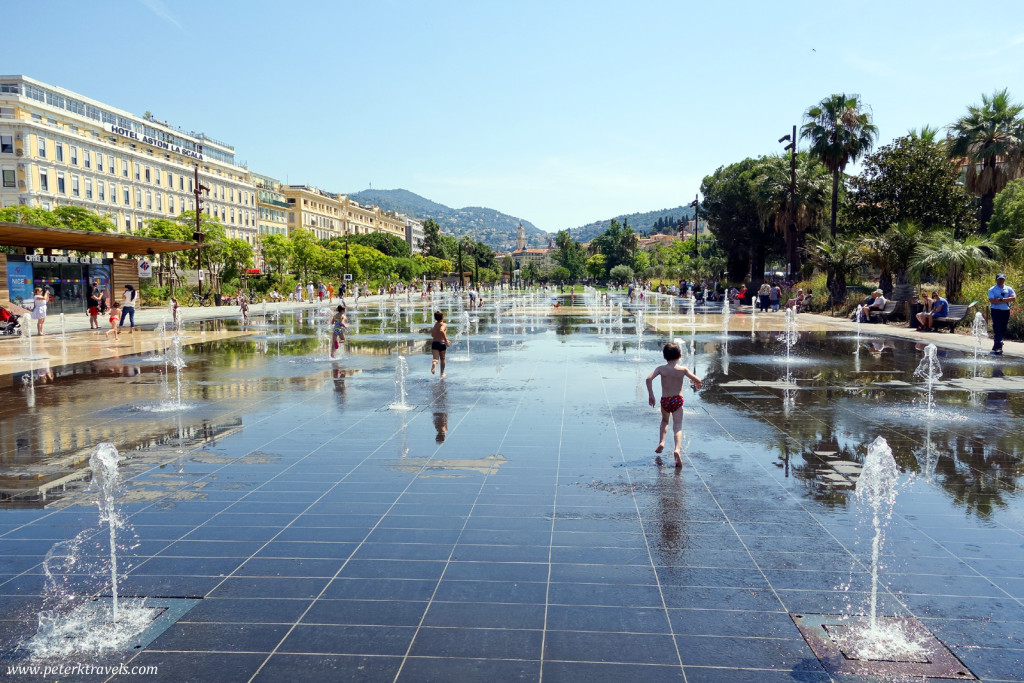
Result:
x=439 y=341
x=339 y=325
x=672 y=377
x=115 y=312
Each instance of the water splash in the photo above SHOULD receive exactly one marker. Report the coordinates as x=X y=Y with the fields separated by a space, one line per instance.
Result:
x=930 y=371
x=401 y=372
x=979 y=329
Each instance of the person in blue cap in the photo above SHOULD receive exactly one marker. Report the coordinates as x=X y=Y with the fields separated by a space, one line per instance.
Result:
x=999 y=298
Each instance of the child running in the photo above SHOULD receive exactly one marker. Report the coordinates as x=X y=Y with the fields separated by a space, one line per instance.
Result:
x=672 y=377
x=339 y=325
x=115 y=315
x=439 y=341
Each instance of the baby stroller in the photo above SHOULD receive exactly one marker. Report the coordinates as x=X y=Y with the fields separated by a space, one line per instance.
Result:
x=9 y=322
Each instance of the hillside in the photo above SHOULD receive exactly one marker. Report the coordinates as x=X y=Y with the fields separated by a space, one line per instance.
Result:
x=494 y=228
x=639 y=222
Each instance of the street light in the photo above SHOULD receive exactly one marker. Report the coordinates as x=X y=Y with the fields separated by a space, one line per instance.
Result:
x=695 y=205
x=791 y=207
x=198 y=234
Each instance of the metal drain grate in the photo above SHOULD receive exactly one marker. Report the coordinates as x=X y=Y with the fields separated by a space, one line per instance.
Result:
x=828 y=637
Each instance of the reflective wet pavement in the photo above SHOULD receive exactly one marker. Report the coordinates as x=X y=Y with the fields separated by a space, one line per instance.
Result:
x=512 y=525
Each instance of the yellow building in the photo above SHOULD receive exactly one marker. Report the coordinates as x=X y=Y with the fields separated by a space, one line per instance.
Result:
x=360 y=220
x=315 y=210
x=61 y=148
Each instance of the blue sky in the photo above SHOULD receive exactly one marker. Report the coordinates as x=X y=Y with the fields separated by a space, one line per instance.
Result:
x=560 y=113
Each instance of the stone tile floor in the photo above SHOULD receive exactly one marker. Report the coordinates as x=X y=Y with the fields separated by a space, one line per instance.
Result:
x=512 y=524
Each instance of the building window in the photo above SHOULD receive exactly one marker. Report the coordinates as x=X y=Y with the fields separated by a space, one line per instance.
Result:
x=138 y=199
x=99 y=162
x=127 y=197
x=60 y=152
x=159 y=202
x=41 y=146
x=60 y=183
x=170 y=204
x=87 y=158
x=139 y=223
x=6 y=144
x=9 y=180
x=74 y=186
x=113 y=193
x=100 y=191
x=124 y=167
x=181 y=182
x=88 y=189
x=110 y=158
x=147 y=174
x=44 y=181
x=157 y=173
x=149 y=201
x=138 y=171
x=74 y=155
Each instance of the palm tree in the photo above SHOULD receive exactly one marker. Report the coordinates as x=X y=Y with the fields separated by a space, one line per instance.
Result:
x=840 y=132
x=771 y=192
x=838 y=258
x=929 y=134
x=892 y=252
x=943 y=254
x=990 y=136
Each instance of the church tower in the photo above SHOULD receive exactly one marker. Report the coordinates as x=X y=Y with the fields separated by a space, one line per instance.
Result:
x=520 y=238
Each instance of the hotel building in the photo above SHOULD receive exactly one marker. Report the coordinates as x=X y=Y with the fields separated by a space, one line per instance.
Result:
x=60 y=148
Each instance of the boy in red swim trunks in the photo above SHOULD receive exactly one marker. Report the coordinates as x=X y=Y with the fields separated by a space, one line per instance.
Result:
x=672 y=377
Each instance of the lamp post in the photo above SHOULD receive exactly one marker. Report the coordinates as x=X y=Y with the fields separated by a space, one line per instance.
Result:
x=695 y=205
x=791 y=206
x=198 y=234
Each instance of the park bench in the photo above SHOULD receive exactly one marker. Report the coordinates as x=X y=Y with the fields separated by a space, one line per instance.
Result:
x=885 y=313
x=956 y=313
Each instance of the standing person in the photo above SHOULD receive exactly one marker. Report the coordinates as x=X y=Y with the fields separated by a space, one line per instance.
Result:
x=243 y=306
x=775 y=296
x=439 y=341
x=672 y=377
x=39 y=301
x=309 y=291
x=999 y=298
x=95 y=303
x=338 y=327
x=764 y=296
x=128 y=301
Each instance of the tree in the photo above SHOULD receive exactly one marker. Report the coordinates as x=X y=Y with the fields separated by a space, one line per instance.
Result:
x=167 y=263
x=384 y=242
x=561 y=274
x=731 y=210
x=772 y=196
x=942 y=254
x=531 y=272
x=571 y=255
x=237 y=256
x=990 y=136
x=277 y=251
x=892 y=253
x=840 y=132
x=838 y=258
x=596 y=266
x=77 y=218
x=303 y=251
x=621 y=274
x=911 y=179
x=432 y=243
x=1007 y=225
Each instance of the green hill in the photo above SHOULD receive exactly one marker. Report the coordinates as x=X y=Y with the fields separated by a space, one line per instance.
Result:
x=494 y=228
x=640 y=222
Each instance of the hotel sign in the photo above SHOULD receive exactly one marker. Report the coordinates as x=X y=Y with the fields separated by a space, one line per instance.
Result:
x=40 y=258
x=145 y=139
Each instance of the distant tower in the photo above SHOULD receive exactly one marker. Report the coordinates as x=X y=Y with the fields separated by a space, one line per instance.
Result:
x=520 y=238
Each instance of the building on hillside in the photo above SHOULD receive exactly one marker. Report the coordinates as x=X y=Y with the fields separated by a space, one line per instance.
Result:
x=60 y=148
x=315 y=210
x=543 y=258
x=414 y=234
x=649 y=243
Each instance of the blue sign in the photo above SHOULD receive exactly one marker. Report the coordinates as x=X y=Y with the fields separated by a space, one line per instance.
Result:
x=19 y=281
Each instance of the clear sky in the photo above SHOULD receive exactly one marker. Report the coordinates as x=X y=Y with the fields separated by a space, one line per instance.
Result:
x=560 y=113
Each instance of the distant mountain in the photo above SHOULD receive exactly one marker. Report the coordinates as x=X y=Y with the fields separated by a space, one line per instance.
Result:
x=639 y=222
x=495 y=229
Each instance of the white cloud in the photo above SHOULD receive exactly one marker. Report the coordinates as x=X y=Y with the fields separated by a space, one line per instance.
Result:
x=158 y=8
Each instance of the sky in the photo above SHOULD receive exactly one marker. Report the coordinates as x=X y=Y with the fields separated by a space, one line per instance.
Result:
x=559 y=113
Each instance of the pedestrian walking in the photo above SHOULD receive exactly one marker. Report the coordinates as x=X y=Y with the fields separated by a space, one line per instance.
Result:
x=1000 y=296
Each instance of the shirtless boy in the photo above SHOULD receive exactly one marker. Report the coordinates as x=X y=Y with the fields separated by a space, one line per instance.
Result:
x=338 y=327
x=672 y=377
x=439 y=341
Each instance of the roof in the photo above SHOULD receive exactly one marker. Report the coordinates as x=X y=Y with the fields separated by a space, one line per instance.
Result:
x=44 y=237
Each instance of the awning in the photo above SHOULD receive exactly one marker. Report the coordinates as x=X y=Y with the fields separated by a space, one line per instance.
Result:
x=43 y=237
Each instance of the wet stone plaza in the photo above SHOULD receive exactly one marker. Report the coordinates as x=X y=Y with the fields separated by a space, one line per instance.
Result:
x=282 y=516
